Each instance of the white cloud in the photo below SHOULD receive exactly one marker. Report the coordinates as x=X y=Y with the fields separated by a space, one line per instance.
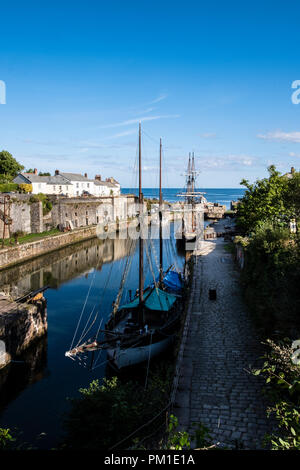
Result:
x=161 y=97
x=208 y=135
x=293 y=154
x=121 y=134
x=231 y=162
x=140 y=119
x=228 y=161
x=281 y=136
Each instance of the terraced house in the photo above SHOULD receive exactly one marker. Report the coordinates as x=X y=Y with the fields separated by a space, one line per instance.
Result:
x=69 y=184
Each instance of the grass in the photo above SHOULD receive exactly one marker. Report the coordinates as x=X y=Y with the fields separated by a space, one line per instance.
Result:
x=30 y=237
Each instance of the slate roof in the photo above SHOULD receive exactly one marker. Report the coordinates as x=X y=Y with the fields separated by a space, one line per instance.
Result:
x=32 y=178
x=76 y=177
x=60 y=179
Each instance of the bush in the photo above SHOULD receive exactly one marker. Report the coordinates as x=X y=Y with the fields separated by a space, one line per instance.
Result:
x=47 y=204
x=6 y=439
x=25 y=188
x=8 y=187
x=283 y=378
x=105 y=414
x=271 y=279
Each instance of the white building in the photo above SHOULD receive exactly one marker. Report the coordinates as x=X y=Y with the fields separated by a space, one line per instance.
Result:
x=69 y=184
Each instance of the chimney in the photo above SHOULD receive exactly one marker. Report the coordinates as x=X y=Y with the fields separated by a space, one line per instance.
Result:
x=98 y=177
x=292 y=170
x=85 y=175
x=56 y=172
x=35 y=172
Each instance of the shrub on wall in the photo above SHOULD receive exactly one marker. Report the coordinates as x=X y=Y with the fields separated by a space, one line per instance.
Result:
x=25 y=188
x=47 y=205
x=8 y=187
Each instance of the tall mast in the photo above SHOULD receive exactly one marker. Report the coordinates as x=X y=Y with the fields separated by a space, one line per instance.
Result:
x=193 y=191
x=193 y=173
x=189 y=180
x=141 y=245
x=160 y=217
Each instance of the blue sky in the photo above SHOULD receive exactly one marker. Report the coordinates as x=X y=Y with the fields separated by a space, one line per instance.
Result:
x=210 y=77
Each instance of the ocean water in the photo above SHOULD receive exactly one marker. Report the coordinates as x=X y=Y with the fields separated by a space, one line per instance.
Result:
x=221 y=195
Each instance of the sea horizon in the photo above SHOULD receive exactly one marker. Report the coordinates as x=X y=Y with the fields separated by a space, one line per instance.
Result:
x=222 y=196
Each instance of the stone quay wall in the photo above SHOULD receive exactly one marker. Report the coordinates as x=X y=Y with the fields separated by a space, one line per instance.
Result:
x=20 y=326
x=19 y=253
x=83 y=211
x=27 y=215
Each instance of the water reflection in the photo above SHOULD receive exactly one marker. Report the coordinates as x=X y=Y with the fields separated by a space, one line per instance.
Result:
x=27 y=370
x=33 y=394
x=62 y=265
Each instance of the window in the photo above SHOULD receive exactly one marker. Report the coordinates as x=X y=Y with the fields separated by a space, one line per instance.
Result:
x=88 y=185
x=77 y=193
x=60 y=188
x=97 y=223
x=87 y=221
x=77 y=185
x=75 y=214
x=87 y=213
x=54 y=188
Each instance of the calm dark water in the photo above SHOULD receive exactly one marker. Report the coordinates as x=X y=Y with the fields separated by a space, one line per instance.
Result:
x=33 y=394
x=222 y=195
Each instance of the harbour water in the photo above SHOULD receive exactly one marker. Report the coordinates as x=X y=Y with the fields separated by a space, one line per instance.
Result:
x=33 y=392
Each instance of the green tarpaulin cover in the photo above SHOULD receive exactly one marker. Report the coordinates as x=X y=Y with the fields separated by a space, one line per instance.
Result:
x=156 y=300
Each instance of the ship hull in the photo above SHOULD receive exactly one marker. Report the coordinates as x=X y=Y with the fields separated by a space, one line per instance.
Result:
x=121 y=358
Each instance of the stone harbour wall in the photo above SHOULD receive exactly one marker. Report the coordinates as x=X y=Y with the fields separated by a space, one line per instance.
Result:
x=20 y=326
x=27 y=217
x=19 y=253
x=81 y=212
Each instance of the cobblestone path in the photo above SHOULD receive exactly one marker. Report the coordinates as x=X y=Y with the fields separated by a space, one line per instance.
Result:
x=214 y=387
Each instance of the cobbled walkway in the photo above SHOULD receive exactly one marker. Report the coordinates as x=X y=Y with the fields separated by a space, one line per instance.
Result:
x=214 y=386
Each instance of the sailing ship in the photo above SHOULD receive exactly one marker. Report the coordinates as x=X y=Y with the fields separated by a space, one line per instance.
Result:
x=193 y=204
x=147 y=325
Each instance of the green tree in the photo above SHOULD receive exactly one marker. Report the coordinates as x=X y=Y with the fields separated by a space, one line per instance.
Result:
x=293 y=195
x=44 y=173
x=265 y=200
x=8 y=164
